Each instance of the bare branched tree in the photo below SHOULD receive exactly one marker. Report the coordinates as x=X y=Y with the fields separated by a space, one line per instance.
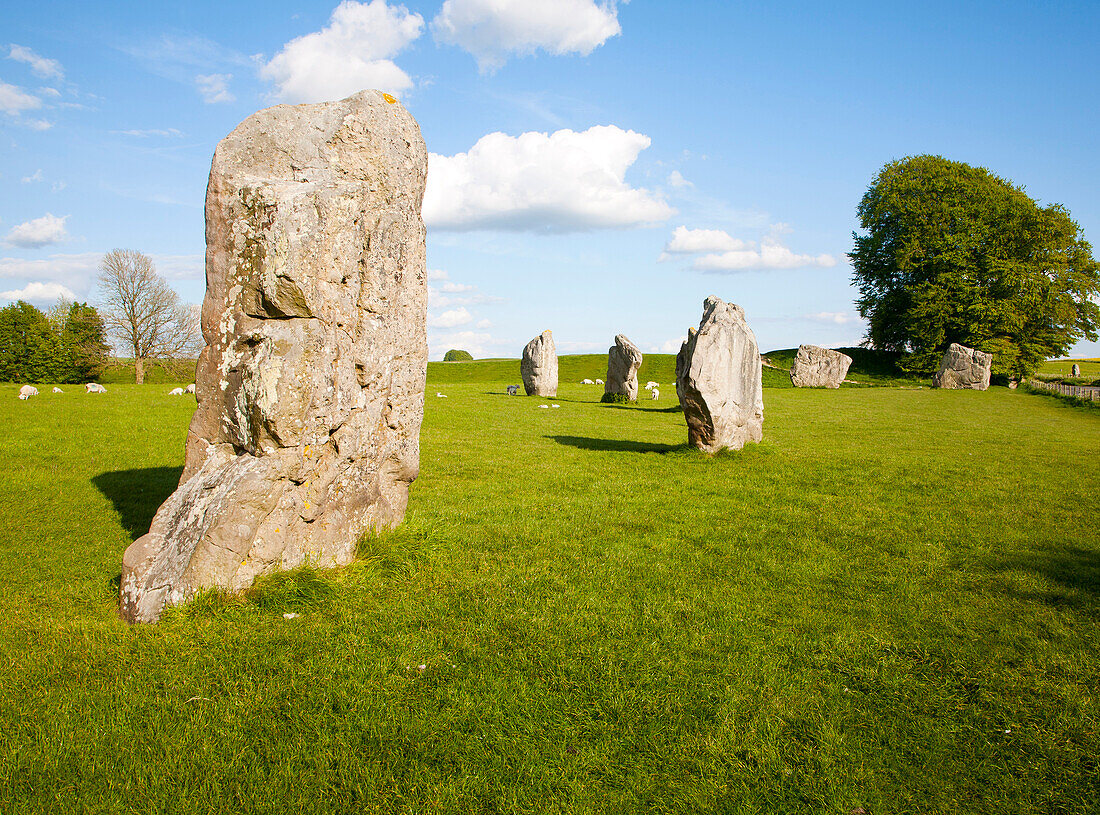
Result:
x=143 y=313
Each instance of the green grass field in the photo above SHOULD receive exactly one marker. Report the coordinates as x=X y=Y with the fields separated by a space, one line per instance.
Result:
x=1062 y=368
x=892 y=603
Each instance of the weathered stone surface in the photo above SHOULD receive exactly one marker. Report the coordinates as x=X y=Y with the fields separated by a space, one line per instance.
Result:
x=623 y=361
x=817 y=367
x=310 y=388
x=963 y=367
x=539 y=367
x=1075 y=370
x=718 y=380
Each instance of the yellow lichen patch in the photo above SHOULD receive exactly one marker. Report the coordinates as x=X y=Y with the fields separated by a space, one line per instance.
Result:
x=388 y=98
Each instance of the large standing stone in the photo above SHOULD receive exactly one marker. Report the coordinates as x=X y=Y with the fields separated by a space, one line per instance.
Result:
x=817 y=367
x=311 y=385
x=1075 y=370
x=623 y=361
x=963 y=367
x=539 y=367
x=718 y=380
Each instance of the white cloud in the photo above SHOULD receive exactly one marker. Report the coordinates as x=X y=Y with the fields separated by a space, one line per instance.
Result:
x=493 y=30
x=14 y=100
x=476 y=342
x=451 y=318
x=353 y=52
x=686 y=241
x=438 y=274
x=39 y=293
x=52 y=92
x=39 y=232
x=675 y=179
x=40 y=66
x=721 y=252
x=456 y=288
x=559 y=182
x=33 y=177
x=834 y=317
x=484 y=324
x=770 y=255
x=671 y=346
x=180 y=267
x=38 y=124
x=76 y=270
x=214 y=88
x=168 y=133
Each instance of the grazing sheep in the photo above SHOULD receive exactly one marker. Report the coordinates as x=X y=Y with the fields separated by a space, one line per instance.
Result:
x=587 y=382
x=651 y=385
x=599 y=381
x=656 y=394
x=94 y=387
x=57 y=390
x=513 y=390
x=27 y=391
x=441 y=395
x=555 y=406
x=544 y=407
x=190 y=388
x=176 y=392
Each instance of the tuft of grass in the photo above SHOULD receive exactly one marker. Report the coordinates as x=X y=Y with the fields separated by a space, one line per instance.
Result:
x=617 y=399
x=296 y=590
x=397 y=550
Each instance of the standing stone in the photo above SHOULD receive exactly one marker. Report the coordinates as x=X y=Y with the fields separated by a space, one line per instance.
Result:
x=539 y=367
x=310 y=388
x=817 y=367
x=718 y=380
x=1075 y=371
x=963 y=367
x=623 y=361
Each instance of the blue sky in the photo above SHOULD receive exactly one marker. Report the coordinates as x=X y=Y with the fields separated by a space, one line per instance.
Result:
x=596 y=167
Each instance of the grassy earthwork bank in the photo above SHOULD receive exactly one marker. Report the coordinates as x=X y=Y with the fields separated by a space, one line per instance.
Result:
x=891 y=604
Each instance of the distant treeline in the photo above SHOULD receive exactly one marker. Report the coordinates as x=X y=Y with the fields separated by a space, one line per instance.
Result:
x=66 y=344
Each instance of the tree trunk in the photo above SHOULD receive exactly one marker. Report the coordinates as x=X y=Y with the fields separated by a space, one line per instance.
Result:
x=139 y=371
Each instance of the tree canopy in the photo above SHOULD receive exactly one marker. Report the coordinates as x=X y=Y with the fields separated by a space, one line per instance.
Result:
x=457 y=355
x=66 y=346
x=953 y=253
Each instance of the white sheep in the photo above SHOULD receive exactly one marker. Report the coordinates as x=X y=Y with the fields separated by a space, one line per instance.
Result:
x=587 y=382
x=190 y=388
x=544 y=407
x=599 y=381
x=94 y=387
x=656 y=394
x=555 y=406
x=441 y=395
x=176 y=392
x=651 y=385
x=57 y=390
x=27 y=391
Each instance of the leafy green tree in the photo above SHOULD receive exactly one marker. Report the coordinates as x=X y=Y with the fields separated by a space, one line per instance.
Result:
x=30 y=350
x=455 y=355
x=953 y=253
x=83 y=338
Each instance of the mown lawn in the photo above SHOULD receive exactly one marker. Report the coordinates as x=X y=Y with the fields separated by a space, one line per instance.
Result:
x=891 y=604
